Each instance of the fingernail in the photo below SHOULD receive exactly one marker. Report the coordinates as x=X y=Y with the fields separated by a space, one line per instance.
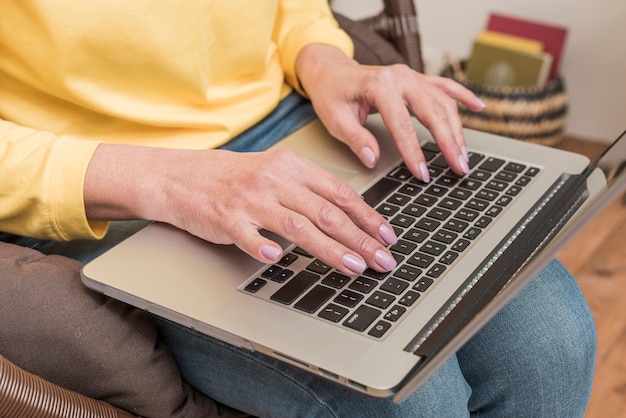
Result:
x=368 y=157
x=463 y=164
x=388 y=235
x=465 y=154
x=385 y=260
x=353 y=263
x=271 y=252
x=481 y=103
x=424 y=172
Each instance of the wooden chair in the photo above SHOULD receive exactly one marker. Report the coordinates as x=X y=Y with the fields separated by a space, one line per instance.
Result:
x=23 y=394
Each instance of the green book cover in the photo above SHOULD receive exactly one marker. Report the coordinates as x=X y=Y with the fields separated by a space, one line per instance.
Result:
x=499 y=66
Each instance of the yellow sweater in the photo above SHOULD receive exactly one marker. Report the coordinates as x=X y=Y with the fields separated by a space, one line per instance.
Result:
x=181 y=74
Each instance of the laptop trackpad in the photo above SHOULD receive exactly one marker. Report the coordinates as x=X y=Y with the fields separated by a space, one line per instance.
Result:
x=340 y=173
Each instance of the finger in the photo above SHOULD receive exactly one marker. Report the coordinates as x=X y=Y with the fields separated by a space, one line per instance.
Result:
x=438 y=112
x=458 y=92
x=347 y=126
x=329 y=247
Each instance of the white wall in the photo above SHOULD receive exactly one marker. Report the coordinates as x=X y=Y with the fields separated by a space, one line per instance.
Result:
x=594 y=61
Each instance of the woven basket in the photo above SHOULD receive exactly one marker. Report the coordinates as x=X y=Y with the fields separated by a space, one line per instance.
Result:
x=533 y=114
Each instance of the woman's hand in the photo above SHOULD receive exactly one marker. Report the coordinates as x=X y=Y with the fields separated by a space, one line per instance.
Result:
x=344 y=93
x=227 y=197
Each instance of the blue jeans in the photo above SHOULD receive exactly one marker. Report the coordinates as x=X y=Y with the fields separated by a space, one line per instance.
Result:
x=534 y=359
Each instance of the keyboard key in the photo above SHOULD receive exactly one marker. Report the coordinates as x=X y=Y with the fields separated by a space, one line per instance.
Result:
x=380 y=300
x=403 y=221
x=348 y=298
x=436 y=271
x=491 y=164
x=470 y=184
x=433 y=248
x=336 y=280
x=425 y=200
x=395 y=313
x=313 y=300
x=449 y=257
x=532 y=171
x=407 y=272
x=461 y=245
x=287 y=259
x=398 y=199
x=456 y=225
x=472 y=233
x=436 y=190
x=404 y=247
x=444 y=236
x=395 y=286
x=414 y=210
x=333 y=312
x=379 y=329
x=498 y=185
x=483 y=222
x=410 y=189
x=474 y=159
x=255 y=285
x=387 y=210
x=480 y=175
x=515 y=167
x=449 y=203
x=439 y=213
x=415 y=235
x=317 y=266
x=428 y=224
x=494 y=211
x=363 y=284
x=294 y=287
x=459 y=193
x=477 y=204
x=507 y=176
x=361 y=318
x=423 y=284
x=409 y=298
x=400 y=173
x=379 y=191
x=467 y=215
x=421 y=260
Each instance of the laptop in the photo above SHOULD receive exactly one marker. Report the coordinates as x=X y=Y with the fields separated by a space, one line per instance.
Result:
x=467 y=246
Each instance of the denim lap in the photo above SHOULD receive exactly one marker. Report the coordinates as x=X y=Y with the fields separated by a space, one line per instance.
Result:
x=516 y=366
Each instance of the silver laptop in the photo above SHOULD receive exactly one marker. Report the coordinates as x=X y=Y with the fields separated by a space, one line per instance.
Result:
x=467 y=245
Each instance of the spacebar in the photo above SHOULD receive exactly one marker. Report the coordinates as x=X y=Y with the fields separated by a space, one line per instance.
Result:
x=295 y=287
x=380 y=190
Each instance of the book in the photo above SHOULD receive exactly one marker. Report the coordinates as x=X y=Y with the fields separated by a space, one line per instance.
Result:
x=509 y=41
x=552 y=36
x=498 y=65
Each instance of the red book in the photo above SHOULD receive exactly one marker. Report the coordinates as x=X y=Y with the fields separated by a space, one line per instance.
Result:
x=552 y=37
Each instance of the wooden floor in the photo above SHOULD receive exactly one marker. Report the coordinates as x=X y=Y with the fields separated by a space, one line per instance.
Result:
x=597 y=259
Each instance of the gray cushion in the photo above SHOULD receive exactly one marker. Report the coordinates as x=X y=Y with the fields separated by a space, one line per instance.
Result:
x=54 y=327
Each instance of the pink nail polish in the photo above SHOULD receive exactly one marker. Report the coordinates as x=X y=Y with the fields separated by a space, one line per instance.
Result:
x=271 y=252
x=424 y=172
x=354 y=264
x=368 y=157
x=463 y=164
x=385 y=260
x=388 y=235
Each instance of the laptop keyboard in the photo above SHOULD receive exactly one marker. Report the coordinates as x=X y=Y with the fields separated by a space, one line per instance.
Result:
x=435 y=224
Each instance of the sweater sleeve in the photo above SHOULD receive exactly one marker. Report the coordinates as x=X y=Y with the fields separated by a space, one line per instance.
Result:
x=41 y=184
x=304 y=22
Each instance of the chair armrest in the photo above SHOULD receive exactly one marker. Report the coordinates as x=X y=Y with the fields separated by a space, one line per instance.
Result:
x=25 y=394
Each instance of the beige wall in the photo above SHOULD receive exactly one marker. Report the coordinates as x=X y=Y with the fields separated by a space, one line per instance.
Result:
x=594 y=62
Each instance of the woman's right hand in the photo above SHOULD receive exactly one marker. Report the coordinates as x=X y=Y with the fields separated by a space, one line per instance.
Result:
x=227 y=198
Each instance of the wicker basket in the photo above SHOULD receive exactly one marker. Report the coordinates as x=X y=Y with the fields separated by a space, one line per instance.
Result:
x=534 y=114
